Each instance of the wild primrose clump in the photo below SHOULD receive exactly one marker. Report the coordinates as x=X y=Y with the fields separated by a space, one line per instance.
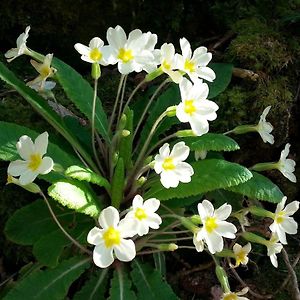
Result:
x=139 y=187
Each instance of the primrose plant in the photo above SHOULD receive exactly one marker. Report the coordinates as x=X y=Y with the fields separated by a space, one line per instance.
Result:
x=124 y=188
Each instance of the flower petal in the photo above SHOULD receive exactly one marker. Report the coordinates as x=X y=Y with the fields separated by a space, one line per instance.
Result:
x=41 y=143
x=137 y=201
x=25 y=147
x=46 y=165
x=223 y=212
x=291 y=208
x=214 y=242
x=226 y=229
x=102 y=256
x=152 y=204
x=125 y=251
x=95 y=236
x=180 y=152
x=205 y=209
x=17 y=167
x=27 y=177
x=109 y=217
x=169 y=179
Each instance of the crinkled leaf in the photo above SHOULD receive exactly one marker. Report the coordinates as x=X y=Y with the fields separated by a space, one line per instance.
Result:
x=210 y=174
x=259 y=187
x=75 y=195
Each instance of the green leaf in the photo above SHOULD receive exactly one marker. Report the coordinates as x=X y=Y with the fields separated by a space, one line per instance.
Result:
x=121 y=286
x=29 y=223
x=223 y=196
x=259 y=187
x=75 y=195
x=149 y=283
x=41 y=106
x=118 y=181
x=210 y=174
x=223 y=78
x=88 y=175
x=94 y=288
x=212 y=142
x=9 y=136
x=49 y=284
x=160 y=263
x=81 y=94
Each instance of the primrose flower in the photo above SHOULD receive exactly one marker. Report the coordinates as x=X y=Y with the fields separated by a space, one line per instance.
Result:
x=142 y=216
x=199 y=244
x=265 y=128
x=45 y=71
x=241 y=254
x=283 y=222
x=110 y=240
x=274 y=248
x=195 y=65
x=33 y=162
x=171 y=167
x=286 y=165
x=214 y=225
x=21 y=46
x=93 y=52
x=131 y=54
x=236 y=296
x=195 y=108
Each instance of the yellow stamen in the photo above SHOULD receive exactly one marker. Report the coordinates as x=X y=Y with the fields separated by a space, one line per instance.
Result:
x=166 y=65
x=280 y=217
x=95 y=54
x=240 y=257
x=189 y=65
x=35 y=161
x=111 y=237
x=125 y=55
x=231 y=296
x=168 y=164
x=189 y=107
x=210 y=224
x=140 y=214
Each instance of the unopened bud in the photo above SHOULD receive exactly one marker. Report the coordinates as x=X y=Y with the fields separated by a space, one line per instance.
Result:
x=141 y=180
x=96 y=71
x=167 y=247
x=188 y=224
x=171 y=111
x=125 y=133
x=254 y=238
x=260 y=212
x=196 y=219
x=153 y=75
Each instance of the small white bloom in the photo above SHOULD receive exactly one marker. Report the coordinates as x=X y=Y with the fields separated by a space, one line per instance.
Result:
x=195 y=65
x=31 y=187
x=93 y=52
x=235 y=296
x=195 y=108
x=21 y=46
x=286 y=165
x=142 y=216
x=165 y=56
x=171 y=167
x=265 y=128
x=47 y=86
x=283 y=222
x=131 y=54
x=110 y=240
x=241 y=254
x=33 y=162
x=45 y=71
x=274 y=248
x=214 y=225
x=199 y=244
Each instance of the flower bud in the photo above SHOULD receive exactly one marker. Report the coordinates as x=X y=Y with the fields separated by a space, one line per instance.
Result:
x=260 y=212
x=188 y=224
x=125 y=133
x=254 y=238
x=171 y=111
x=167 y=247
x=153 y=75
x=196 y=219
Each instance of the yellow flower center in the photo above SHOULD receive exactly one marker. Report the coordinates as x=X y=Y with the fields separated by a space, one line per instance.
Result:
x=189 y=65
x=240 y=257
x=231 y=296
x=111 y=237
x=166 y=65
x=125 y=55
x=95 y=54
x=140 y=214
x=210 y=224
x=45 y=71
x=280 y=217
x=35 y=161
x=168 y=164
x=189 y=106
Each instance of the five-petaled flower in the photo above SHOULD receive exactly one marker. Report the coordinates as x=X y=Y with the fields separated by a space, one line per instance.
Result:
x=110 y=240
x=33 y=162
x=235 y=296
x=241 y=254
x=283 y=222
x=214 y=225
x=195 y=108
x=274 y=247
x=171 y=167
x=142 y=216
x=265 y=128
x=21 y=46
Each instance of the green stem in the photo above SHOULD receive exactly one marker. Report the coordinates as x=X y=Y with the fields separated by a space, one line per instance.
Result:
x=133 y=93
x=122 y=98
x=172 y=240
x=163 y=140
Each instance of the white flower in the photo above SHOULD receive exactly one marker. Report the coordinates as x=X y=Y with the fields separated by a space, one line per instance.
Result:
x=133 y=53
x=195 y=108
x=265 y=128
x=165 y=56
x=33 y=162
x=283 y=222
x=47 y=86
x=45 y=71
x=110 y=240
x=241 y=254
x=274 y=248
x=93 y=52
x=171 y=167
x=214 y=225
x=286 y=165
x=142 y=216
x=195 y=65
x=199 y=244
x=21 y=46
x=235 y=296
